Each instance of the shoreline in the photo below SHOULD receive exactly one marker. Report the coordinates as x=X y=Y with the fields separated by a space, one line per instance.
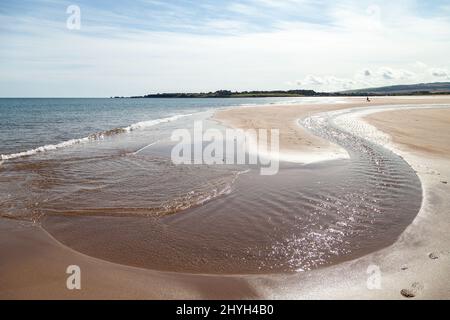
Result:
x=294 y=137
x=107 y=279
x=396 y=268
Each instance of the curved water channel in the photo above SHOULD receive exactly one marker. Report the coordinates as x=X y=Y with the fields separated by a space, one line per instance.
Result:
x=305 y=217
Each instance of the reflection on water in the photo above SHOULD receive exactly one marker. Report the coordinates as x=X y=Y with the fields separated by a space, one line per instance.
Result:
x=140 y=209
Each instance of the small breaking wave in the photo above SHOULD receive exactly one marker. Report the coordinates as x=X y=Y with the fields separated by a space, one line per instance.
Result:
x=188 y=200
x=92 y=137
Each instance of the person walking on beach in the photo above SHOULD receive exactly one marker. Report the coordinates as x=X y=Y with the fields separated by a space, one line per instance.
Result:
x=368 y=100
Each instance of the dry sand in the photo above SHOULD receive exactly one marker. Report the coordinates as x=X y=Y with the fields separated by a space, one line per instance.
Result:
x=424 y=131
x=295 y=142
x=33 y=264
x=419 y=262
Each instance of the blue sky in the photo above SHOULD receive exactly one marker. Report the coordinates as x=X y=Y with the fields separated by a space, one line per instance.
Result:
x=138 y=47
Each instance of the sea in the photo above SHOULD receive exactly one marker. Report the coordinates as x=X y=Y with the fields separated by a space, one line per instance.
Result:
x=98 y=176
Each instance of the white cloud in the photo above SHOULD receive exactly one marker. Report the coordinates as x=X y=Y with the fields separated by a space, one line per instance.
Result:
x=389 y=44
x=331 y=83
x=365 y=78
x=386 y=73
x=313 y=80
x=440 y=73
x=394 y=74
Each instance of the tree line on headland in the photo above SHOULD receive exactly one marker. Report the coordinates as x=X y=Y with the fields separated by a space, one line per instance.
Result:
x=417 y=89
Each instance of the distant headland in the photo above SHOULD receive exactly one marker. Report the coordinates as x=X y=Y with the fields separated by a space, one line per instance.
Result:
x=413 y=89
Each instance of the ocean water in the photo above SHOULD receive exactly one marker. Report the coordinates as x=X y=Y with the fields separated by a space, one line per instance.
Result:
x=29 y=124
x=97 y=174
x=106 y=156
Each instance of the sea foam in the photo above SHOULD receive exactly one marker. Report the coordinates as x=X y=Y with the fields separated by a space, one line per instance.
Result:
x=92 y=137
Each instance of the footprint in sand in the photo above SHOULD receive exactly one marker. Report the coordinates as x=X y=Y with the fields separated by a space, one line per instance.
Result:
x=433 y=255
x=412 y=292
x=431 y=171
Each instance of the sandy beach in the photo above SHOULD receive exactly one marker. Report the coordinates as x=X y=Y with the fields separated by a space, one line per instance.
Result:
x=297 y=143
x=33 y=264
x=418 y=263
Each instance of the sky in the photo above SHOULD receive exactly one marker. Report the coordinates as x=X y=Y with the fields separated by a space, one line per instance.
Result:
x=125 y=48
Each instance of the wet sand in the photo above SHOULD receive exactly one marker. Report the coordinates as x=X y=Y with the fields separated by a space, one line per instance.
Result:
x=33 y=264
x=408 y=128
x=417 y=265
x=296 y=143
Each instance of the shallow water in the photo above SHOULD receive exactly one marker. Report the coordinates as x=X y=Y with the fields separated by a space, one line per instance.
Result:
x=104 y=199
